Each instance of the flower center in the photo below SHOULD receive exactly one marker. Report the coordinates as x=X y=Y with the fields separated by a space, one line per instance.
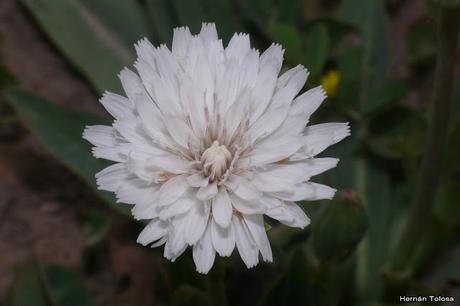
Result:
x=215 y=160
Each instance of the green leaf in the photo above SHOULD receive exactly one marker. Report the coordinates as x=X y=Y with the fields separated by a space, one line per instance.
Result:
x=448 y=3
x=452 y=162
x=372 y=21
x=372 y=252
x=162 y=15
x=190 y=13
x=397 y=132
x=348 y=64
x=95 y=227
x=6 y=78
x=49 y=285
x=259 y=12
x=421 y=44
x=27 y=289
x=222 y=13
x=183 y=272
x=125 y=18
x=392 y=90
x=317 y=49
x=290 y=39
x=186 y=295
x=65 y=287
x=291 y=288
x=336 y=28
x=291 y=12
x=338 y=228
x=60 y=131
x=97 y=52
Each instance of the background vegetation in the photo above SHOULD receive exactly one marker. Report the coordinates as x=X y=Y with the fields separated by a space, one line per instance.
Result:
x=392 y=230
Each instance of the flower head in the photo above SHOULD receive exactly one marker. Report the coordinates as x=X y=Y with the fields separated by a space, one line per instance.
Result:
x=208 y=141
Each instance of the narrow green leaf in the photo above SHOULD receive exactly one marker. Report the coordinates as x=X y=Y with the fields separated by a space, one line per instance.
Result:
x=60 y=131
x=372 y=21
x=162 y=15
x=292 y=286
x=27 y=289
x=390 y=91
x=48 y=285
x=448 y=3
x=97 y=52
x=374 y=248
x=291 y=12
x=223 y=14
x=186 y=295
x=125 y=18
x=338 y=228
x=290 y=39
x=371 y=183
x=190 y=13
x=259 y=12
x=317 y=49
x=65 y=287
x=6 y=78
x=336 y=28
x=95 y=227
x=395 y=131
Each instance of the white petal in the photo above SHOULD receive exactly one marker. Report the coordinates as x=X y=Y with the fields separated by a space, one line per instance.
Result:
x=237 y=112
x=181 y=40
x=136 y=191
x=247 y=207
x=133 y=132
x=181 y=206
x=238 y=46
x=308 y=102
x=256 y=227
x=267 y=182
x=108 y=153
x=112 y=177
x=100 y=135
x=172 y=190
x=288 y=213
x=170 y=163
x=320 y=136
x=175 y=245
x=207 y=192
x=204 y=253
x=208 y=33
x=195 y=221
x=179 y=130
x=223 y=239
x=272 y=150
x=278 y=176
x=155 y=230
x=246 y=247
x=131 y=82
x=307 y=191
x=222 y=210
x=117 y=106
x=151 y=119
x=289 y=85
x=242 y=188
x=270 y=65
x=268 y=123
x=198 y=180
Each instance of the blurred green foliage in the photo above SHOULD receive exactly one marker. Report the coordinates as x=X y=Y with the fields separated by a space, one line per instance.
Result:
x=340 y=259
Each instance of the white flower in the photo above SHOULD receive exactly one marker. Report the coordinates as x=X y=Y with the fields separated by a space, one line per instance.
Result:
x=208 y=141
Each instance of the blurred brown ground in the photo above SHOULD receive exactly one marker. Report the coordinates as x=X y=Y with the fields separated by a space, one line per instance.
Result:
x=40 y=201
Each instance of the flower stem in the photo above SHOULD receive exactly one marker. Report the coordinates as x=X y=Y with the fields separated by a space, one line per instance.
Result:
x=421 y=209
x=216 y=284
